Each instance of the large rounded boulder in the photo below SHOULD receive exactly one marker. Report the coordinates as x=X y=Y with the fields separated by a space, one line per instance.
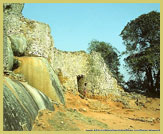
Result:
x=39 y=74
x=18 y=44
x=21 y=104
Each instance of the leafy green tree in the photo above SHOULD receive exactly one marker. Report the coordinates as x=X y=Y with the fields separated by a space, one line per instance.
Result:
x=110 y=56
x=142 y=40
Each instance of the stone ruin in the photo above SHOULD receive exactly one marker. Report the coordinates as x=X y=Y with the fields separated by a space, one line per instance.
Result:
x=31 y=62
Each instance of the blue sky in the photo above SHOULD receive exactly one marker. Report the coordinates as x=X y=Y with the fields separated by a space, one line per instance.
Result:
x=74 y=25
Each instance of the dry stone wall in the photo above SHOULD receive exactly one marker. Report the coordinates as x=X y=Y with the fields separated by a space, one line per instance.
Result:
x=99 y=79
x=27 y=47
x=27 y=37
x=77 y=71
x=70 y=65
x=39 y=40
x=84 y=73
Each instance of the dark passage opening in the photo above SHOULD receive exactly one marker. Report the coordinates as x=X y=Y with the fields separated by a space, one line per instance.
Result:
x=8 y=7
x=80 y=83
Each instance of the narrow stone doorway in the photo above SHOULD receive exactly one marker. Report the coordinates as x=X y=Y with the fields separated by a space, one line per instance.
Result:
x=81 y=84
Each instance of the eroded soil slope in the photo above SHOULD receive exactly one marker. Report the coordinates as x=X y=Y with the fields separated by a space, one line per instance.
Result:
x=90 y=114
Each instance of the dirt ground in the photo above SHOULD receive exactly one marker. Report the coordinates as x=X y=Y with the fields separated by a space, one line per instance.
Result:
x=90 y=114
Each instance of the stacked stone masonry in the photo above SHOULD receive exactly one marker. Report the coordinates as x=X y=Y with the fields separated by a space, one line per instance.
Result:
x=77 y=71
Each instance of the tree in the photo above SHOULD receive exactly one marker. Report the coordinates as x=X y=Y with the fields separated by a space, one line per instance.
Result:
x=110 y=56
x=142 y=40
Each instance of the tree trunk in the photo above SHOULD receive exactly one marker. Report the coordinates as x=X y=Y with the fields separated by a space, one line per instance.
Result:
x=150 y=80
x=157 y=85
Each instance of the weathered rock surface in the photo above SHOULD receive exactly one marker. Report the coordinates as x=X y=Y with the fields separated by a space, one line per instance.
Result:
x=11 y=13
x=69 y=65
x=13 y=9
x=45 y=69
x=21 y=104
x=30 y=38
x=18 y=44
x=39 y=74
x=39 y=39
x=99 y=78
x=8 y=57
x=79 y=71
x=29 y=35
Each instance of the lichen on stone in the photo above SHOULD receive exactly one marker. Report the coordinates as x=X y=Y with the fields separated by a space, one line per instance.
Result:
x=31 y=60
